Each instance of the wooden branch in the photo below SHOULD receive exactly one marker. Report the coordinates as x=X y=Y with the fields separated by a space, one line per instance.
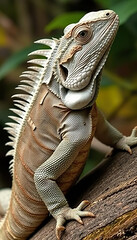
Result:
x=112 y=191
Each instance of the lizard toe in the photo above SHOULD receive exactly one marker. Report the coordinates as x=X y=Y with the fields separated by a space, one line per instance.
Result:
x=83 y=204
x=59 y=231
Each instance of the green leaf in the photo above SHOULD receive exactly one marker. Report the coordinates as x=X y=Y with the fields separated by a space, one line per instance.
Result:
x=63 y=20
x=125 y=8
x=16 y=59
x=103 y=3
x=132 y=27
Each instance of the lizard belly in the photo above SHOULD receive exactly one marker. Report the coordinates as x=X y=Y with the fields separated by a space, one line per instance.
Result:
x=39 y=140
x=71 y=175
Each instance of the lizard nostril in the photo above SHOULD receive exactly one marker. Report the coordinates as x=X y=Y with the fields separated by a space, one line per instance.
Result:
x=107 y=14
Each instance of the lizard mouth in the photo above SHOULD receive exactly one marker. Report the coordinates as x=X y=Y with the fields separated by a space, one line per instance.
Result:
x=87 y=95
x=77 y=84
x=64 y=72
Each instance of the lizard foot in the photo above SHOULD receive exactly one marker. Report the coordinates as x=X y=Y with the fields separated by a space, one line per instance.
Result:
x=69 y=214
x=126 y=142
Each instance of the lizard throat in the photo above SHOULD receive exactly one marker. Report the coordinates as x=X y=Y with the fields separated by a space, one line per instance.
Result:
x=85 y=97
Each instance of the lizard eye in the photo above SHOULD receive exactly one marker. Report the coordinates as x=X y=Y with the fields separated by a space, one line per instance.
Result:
x=82 y=34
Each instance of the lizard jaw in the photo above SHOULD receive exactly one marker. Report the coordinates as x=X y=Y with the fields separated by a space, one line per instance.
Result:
x=85 y=97
x=81 y=82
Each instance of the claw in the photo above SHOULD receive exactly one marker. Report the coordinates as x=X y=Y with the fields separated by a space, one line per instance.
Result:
x=59 y=231
x=83 y=204
x=134 y=132
x=129 y=150
x=78 y=219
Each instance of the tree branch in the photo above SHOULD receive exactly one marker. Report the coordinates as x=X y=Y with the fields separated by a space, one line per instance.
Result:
x=112 y=190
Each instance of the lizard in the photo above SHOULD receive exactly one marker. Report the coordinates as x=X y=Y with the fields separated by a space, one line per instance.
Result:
x=54 y=124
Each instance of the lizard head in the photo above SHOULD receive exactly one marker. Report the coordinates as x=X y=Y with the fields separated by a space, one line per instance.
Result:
x=82 y=53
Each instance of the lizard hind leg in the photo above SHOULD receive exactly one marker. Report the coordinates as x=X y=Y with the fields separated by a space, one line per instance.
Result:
x=5 y=195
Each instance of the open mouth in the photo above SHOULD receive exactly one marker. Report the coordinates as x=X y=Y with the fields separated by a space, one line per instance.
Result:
x=75 y=84
x=64 y=72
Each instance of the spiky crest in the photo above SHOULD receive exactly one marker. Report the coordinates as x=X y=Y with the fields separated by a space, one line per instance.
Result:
x=39 y=62
x=33 y=79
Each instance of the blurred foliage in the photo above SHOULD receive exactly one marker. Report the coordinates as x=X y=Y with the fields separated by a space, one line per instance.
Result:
x=63 y=20
x=22 y=22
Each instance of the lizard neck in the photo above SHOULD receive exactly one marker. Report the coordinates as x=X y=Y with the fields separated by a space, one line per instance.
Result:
x=75 y=100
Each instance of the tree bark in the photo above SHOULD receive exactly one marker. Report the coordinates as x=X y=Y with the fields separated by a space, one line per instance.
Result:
x=112 y=190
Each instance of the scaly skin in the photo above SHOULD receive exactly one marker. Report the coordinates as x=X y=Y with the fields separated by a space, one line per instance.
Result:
x=57 y=121
x=25 y=201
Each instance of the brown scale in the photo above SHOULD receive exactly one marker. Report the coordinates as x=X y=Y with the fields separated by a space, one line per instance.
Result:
x=27 y=210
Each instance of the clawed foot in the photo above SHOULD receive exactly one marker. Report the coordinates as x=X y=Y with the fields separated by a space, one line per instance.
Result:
x=69 y=214
x=126 y=142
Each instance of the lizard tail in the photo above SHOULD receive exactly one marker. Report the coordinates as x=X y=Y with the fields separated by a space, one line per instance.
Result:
x=5 y=195
x=26 y=210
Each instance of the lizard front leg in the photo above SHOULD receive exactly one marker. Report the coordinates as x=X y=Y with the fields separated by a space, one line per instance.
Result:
x=109 y=135
x=45 y=180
